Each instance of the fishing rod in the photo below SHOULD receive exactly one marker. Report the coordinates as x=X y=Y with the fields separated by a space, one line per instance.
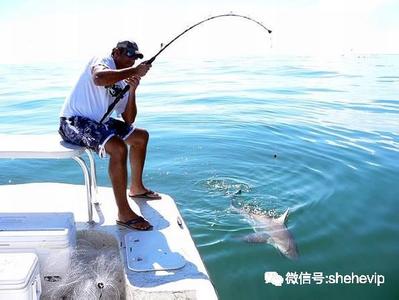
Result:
x=151 y=60
x=118 y=97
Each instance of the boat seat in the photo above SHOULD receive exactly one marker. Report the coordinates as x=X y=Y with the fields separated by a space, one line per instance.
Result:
x=51 y=146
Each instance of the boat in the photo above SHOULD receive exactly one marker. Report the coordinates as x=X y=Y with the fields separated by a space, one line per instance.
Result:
x=91 y=256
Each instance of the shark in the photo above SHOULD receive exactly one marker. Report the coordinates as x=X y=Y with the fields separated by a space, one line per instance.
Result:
x=270 y=230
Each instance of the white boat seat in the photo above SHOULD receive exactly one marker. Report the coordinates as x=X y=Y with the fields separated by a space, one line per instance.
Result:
x=37 y=146
x=51 y=146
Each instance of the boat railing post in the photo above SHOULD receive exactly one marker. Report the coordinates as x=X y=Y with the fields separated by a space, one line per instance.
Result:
x=86 y=175
x=93 y=176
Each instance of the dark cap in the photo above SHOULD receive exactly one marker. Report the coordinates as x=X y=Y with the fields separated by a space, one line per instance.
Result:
x=132 y=50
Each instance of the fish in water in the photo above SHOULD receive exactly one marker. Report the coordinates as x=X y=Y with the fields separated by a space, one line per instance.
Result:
x=272 y=231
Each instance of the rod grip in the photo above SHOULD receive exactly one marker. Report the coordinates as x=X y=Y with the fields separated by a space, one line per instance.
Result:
x=150 y=61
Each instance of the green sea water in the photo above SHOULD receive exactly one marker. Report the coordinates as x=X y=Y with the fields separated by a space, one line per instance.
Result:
x=317 y=136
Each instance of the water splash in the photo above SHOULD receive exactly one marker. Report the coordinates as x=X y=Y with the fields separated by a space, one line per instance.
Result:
x=237 y=192
x=227 y=186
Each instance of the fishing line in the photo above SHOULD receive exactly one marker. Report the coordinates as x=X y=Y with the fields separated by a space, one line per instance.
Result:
x=203 y=21
x=152 y=59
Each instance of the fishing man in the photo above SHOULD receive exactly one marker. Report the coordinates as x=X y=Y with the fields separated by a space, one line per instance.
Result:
x=82 y=123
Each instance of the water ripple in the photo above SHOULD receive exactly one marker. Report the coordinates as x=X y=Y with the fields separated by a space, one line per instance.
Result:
x=320 y=137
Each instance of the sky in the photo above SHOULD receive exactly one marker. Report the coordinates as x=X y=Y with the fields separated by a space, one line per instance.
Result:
x=73 y=30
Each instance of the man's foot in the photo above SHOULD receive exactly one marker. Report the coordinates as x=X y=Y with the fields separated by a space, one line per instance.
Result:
x=138 y=223
x=133 y=221
x=148 y=195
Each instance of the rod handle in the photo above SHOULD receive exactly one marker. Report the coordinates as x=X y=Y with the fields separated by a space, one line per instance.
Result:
x=150 y=61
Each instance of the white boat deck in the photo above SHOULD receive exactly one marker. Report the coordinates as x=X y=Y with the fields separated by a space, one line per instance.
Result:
x=189 y=282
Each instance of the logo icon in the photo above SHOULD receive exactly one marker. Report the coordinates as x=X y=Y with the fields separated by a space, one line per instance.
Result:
x=273 y=278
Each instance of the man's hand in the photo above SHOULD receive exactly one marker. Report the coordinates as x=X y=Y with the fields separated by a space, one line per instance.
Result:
x=142 y=69
x=134 y=82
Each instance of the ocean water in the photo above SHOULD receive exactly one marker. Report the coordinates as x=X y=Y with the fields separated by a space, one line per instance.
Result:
x=317 y=136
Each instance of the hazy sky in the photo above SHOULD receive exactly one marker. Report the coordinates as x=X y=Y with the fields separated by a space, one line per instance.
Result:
x=63 y=30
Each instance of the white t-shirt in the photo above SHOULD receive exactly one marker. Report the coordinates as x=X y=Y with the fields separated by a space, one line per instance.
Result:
x=91 y=101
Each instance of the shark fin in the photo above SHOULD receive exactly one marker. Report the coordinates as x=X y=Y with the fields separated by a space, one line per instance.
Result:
x=281 y=219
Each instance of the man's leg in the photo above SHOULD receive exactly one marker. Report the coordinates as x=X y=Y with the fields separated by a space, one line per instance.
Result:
x=117 y=150
x=138 y=141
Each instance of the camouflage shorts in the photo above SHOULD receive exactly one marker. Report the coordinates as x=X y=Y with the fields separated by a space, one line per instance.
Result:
x=91 y=134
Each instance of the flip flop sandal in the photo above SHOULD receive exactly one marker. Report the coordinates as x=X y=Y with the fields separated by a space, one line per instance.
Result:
x=149 y=195
x=130 y=224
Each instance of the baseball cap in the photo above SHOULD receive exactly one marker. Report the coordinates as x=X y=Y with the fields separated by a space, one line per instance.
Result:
x=132 y=50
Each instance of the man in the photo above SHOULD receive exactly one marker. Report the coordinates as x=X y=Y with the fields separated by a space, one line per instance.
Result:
x=97 y=87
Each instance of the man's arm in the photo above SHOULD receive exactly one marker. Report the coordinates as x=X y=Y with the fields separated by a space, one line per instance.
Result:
x=103 y=76
x=130 y=113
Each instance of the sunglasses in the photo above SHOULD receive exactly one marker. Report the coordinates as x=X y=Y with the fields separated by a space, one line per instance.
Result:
x=129 y=54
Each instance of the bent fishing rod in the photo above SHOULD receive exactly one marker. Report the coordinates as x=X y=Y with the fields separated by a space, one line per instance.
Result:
x=151 y=60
